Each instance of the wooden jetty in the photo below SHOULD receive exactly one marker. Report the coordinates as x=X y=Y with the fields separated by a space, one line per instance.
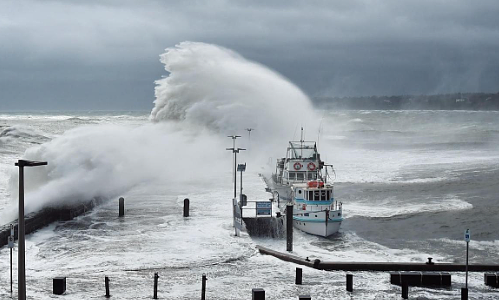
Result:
x=376 y=266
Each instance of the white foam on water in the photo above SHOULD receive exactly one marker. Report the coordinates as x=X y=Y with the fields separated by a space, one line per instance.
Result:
x=391 y=207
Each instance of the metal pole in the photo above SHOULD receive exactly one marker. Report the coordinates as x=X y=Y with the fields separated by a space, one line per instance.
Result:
x=467 y=247
x=241 y=198
x=289 y=227
x=21 y=272
x=235 y=188
x=235 y=173
x=11 y=271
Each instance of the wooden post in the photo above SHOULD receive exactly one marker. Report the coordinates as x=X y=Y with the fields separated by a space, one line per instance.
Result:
x=59 y=285
x=299 y=276
x=258 y=294
x=405 y=290
x=155 y=295
x=106 y=281
x=186 y=208
x=203 y=287
x=349 y=282
x=122 y=207
x=464 y=293
x=289 y=227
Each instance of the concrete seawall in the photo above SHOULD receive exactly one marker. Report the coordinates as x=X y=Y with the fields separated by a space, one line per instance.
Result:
x=44 y=217
x=377 y=266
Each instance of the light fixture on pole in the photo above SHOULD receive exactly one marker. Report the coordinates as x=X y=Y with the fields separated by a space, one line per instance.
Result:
x=21 y=274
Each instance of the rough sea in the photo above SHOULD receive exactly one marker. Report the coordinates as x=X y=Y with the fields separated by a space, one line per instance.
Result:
x=411 y=183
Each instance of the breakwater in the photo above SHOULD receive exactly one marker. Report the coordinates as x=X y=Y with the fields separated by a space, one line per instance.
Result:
x=377 y=266
x=44 y=217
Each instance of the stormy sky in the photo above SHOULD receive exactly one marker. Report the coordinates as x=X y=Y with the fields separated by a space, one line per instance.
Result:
x=104 y=55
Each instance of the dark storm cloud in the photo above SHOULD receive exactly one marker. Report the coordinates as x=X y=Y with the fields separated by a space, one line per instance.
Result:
x=104 y=54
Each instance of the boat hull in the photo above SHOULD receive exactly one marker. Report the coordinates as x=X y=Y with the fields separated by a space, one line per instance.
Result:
x=319 y=228
x=314 y=222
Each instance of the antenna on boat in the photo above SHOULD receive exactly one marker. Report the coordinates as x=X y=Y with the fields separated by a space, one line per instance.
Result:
x=249 y=136
x=301 y=143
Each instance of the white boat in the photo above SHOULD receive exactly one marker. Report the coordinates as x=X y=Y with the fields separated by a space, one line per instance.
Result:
x=315 y=210
x=298 y=180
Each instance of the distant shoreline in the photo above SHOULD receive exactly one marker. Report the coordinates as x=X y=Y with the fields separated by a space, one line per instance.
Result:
x=456 y=101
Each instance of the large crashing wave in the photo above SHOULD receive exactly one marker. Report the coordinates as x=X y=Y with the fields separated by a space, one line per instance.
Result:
x=210 y=91
x=214 y=87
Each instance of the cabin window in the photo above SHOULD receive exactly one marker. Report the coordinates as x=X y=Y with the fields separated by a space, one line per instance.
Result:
x=311 y=195
x=299 y=176
x=299 y=192
x=291 y=175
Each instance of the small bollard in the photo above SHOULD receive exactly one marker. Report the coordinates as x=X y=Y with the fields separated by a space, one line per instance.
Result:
x=405 y=290
x=106 y=281
x=298 y=276
x=258 y=294
x=186 y=207
x=349 y=282
x=155 y=295
x=289 y=227
x=203 y=287
x=59 y=285
x=122 y=207
x=464 y=293
x=304 y=297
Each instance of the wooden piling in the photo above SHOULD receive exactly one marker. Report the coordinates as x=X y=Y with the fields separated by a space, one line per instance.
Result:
x=155 y=294
x=405 y=290
x=464 y=293
x=122 y=207
x=106 y=281
x=299 y=274
x=258 y=294
x=289 y=227
x=59 y=285
x=186 y=207
x=349 y=282
x=203 y=287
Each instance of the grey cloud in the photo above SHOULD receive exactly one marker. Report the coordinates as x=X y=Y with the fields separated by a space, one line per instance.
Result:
x=331 y=48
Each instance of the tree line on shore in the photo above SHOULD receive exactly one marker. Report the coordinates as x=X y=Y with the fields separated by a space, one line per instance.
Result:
x=456 y=101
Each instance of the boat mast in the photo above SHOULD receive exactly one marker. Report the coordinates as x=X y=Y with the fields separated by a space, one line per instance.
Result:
x=301 y=144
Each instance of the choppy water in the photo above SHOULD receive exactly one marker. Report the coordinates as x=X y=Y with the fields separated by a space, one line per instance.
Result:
x=411 y=182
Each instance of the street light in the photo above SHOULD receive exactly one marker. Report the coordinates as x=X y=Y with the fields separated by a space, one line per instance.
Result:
x=21 y=274
x=235 y=151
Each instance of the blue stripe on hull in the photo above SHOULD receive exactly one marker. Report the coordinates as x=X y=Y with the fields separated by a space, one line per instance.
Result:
x=316 y=220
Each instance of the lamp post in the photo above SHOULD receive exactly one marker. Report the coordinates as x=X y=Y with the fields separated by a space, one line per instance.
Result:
x=21 y=274
x=235 y=151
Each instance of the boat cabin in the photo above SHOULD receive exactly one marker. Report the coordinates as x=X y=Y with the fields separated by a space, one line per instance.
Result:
x=302 y=163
